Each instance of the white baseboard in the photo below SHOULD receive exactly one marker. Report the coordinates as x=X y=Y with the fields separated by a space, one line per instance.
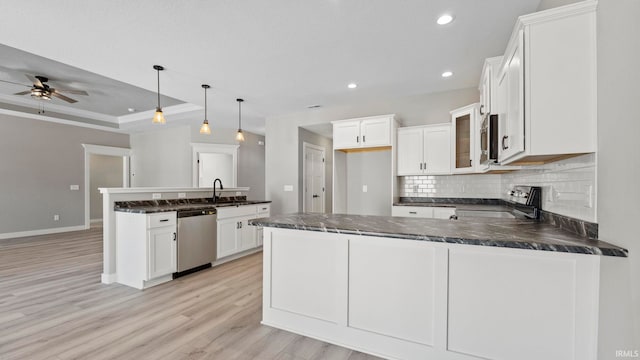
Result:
x=108 y=278
x=41 y=232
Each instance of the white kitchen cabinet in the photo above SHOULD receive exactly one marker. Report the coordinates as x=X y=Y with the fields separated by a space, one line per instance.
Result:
x=234 y=232
x=375 y=131
x=464 y=156
x=146 y=248
x=547 y=86
x=427 y=212
x=488 y=86
x=424 y=150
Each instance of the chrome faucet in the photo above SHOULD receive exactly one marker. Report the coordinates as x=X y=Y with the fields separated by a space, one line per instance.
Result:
x=215 y=198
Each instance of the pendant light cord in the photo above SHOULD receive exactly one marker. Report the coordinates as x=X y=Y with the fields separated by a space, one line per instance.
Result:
x=205 y=103
x=158 y=71
x=239 y=115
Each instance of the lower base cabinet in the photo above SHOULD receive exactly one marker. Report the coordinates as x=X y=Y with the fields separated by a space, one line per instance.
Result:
x=146 y=248
x=407 y=299
x=234 y=232
x=426 y=212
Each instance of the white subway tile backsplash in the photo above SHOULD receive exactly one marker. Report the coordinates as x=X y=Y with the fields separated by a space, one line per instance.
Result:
x=568 y=186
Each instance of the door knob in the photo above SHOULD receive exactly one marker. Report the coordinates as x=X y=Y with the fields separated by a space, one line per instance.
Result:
x=316 y=196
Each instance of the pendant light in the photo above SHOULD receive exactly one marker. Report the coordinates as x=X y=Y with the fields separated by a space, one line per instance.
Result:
x=158 y=117
x=205 y=129
x=239 y=134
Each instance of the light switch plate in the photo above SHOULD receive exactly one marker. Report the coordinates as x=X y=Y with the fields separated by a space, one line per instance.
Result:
x=288 y=188
x=74 y=187
x=364 y=188
x=156 y=196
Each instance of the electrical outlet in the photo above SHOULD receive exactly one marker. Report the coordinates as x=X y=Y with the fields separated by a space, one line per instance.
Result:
x=74 y=187
x=288 y=188
x=364 y=188
x=182 y=195
x=56 y=217
x=156 y=196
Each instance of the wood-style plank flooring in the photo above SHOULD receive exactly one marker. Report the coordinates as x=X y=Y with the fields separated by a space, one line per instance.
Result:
x=53 y=306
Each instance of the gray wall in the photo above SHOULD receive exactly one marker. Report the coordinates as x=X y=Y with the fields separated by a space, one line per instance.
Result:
x=371 y=168
x=327 y=144
x=39 y=160
x=549 y=4
x=104 y=171
x=282 y=132
x=618 y=162
x=163 y=157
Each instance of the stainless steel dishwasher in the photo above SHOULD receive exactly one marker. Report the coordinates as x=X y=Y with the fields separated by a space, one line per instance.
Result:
x=197 y=245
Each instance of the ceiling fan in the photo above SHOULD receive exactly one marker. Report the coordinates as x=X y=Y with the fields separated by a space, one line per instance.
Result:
x=41 y=90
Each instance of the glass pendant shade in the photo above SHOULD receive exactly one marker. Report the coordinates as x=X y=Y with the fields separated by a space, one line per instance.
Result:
x=158 y=117
x=239 y=135
x=205 y=128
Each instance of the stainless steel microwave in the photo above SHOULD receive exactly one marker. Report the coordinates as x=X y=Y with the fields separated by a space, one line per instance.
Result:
x=489 y=139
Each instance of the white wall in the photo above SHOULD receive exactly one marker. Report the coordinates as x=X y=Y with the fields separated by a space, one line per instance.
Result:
x=618 y=154
x=373 y=169
x=282 y=133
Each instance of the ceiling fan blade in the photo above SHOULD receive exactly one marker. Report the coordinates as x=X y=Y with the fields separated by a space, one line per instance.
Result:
x=77 y=92
x=62 y=97
x=34 y=80
x=15 y=83
x=23 y=92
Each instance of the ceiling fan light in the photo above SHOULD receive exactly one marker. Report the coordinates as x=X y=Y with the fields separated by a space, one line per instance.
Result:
x=205 y=128
x=239 y=135
x=158 y=117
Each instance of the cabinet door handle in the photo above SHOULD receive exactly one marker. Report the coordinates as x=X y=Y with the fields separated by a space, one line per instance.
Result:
x=240 y=224
x=425 y=166
x=164 y=220
x=420 y=166
x=363 y=139
x=175 y=236
x=413 y=212
x=358 y=139
x=504 y=138
x=481 y=108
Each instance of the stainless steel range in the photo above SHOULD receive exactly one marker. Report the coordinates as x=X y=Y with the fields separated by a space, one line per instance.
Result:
x=527 y=200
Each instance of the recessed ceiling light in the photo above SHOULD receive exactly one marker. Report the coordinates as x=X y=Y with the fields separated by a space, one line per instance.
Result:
x=446 y=74
x=131 y=110
x=445 y=19
x=352 y=86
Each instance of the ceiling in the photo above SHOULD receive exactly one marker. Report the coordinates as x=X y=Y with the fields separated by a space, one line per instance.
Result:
x=281 y=56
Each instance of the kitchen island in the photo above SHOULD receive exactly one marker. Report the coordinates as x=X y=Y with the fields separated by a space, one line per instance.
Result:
x=405 y=288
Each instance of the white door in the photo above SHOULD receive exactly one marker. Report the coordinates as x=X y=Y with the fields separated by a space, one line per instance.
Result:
x=410 y=145
x=313 y=178
x=437 y=150
x=376 y=132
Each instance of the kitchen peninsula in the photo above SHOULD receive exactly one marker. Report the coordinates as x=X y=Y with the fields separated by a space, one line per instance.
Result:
x=406 y=288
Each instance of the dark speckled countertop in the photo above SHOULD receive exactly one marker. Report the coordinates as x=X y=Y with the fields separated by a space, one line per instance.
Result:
x=510 y=233
x=156 y=206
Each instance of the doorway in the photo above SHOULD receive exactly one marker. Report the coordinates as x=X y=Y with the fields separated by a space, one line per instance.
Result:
x=96 y=156
x=313 y=174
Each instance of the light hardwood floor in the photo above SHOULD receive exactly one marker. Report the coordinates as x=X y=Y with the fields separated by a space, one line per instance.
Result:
x=53 y=306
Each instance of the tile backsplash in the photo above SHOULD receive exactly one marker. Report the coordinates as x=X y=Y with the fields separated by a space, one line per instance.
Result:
x=568 y=186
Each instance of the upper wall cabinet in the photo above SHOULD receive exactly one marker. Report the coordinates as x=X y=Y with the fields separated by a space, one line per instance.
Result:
x=374 y=131
x=488 y=86
x=547 y=86
x=463 y=136
x=424 y=150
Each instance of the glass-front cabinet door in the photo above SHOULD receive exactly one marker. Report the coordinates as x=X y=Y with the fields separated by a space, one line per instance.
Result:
x=463 y=138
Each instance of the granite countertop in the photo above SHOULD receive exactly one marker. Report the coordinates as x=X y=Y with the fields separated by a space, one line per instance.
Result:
x=156 y=206
x=510 y=233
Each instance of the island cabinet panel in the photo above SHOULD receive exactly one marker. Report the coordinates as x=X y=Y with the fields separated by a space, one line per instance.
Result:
x=501 y=305
x=308 y=275
x=391 y=288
